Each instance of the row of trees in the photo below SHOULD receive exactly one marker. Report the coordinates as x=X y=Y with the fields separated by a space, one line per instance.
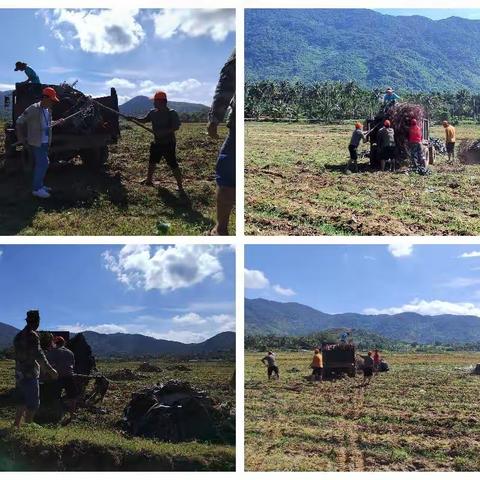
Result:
x=330 y=101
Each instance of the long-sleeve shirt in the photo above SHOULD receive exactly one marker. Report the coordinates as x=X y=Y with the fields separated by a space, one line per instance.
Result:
x=357 y=137
x=32 y=75
x=29 y=356
x=34 y=125
x=224 y=96
x=390 y=97
x=62 y=360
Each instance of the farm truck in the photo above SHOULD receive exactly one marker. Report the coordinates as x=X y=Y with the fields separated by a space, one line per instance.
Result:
x=88 y=133
x=338 y=360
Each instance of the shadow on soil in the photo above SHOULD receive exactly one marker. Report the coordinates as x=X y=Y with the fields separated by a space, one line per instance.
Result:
x=73 y=186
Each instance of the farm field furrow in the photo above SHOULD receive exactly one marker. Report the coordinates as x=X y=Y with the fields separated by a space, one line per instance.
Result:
x=295 y=185
x=422 y=415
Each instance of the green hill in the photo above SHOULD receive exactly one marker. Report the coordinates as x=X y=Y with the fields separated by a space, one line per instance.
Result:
x=409 y=52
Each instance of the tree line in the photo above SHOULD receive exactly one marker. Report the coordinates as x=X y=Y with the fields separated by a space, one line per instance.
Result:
x=332 y=101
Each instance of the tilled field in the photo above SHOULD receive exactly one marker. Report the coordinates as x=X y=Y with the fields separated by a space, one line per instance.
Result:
x=295 y=184
x=423 y=415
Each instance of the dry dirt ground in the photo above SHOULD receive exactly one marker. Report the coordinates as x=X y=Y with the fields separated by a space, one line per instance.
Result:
x=423 y=415
x=295 y=185
x=112 y=201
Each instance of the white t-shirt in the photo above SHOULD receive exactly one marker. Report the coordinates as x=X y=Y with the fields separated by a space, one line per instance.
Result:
x=46 y=121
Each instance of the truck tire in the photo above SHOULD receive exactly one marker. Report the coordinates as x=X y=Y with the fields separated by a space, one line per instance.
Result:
x=351 y=372
x=94 y=158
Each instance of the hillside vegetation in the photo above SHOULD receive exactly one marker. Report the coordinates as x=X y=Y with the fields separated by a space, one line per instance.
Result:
x=375 y=50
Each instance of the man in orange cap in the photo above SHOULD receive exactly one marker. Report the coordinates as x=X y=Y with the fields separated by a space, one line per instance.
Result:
x=34 y=129
x=357 y=137
x=165 y=122
x=449 y=140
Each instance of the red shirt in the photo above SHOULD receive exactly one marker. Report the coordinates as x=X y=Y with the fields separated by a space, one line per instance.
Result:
x=415 y=134
x=376 y=358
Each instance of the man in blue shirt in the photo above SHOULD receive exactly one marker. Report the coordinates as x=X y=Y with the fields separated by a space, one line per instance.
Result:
x=390 y=98
x=32 y=76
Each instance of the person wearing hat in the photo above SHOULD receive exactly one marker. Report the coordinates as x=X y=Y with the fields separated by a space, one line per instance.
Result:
x=270 y=362
x=449 y=140
x=165 y=122
x=390 y=98
x=32 y=76
x=356 y=138
x=34 y=129
x=225 y=171
x=415 y=137
x=29 y=358
x=63 y=360
x=386 y=145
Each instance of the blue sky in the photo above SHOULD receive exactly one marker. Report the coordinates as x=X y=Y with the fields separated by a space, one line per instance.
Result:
x=434 y=13
x=428 y=279
x=184 y=293
x=137 y=51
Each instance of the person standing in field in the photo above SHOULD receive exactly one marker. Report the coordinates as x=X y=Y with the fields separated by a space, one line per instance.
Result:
x=34 y=129
x=386 y=145
x=356 y=138
x=63 y=360
x=226 y=166
x=165 y=122
x=367 y=369
x=449 y=140
x=317 y=365
x=415 y=138
x=270 y=362
x=29 y=358
x=376 y=360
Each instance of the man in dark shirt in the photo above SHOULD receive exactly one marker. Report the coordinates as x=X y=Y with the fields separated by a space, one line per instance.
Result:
x=165 y=122
x=29 y=357
x=225 y=170
x=271 y=363
x=63 y=360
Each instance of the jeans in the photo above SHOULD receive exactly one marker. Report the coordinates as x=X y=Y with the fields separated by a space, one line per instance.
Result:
x=416 y=155
x=40 y=155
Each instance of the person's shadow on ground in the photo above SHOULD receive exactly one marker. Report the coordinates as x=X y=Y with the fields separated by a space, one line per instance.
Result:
x=73 y=186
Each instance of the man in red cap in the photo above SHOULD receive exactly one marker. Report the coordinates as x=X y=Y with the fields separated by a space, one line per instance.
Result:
x=356 y=138
x=34 y=129
x=386 y=145
x=165 y=122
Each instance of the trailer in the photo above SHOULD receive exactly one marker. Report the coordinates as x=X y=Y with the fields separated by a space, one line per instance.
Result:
x=338 y=359
x=87 y=135
x=373 y=125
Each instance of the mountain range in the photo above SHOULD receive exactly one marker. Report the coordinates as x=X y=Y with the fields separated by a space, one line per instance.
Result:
x=140 y=105
x=374 y=50
x=269 y=317
x=123 y=344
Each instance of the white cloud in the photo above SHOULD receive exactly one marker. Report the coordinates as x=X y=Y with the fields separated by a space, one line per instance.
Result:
x=287 y=292
x=400 y=249
x=189 y=319
x=6 y=86
x=56 y=70
x=119 y=83
x=429 y=307
x=126 y=309
x=184 y=336
x=369 y=257
x=196 y=22
x=107 y=328
x=225 y=322
x=470 y=254
x=98 y=31
x=1 y=253
x=461 y=282
x=165 y=268
x=255 y=279
x=148 y=88
x=42 y=48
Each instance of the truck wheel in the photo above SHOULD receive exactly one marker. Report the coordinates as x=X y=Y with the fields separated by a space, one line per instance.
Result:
x=94 y=158
x=351 y=372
